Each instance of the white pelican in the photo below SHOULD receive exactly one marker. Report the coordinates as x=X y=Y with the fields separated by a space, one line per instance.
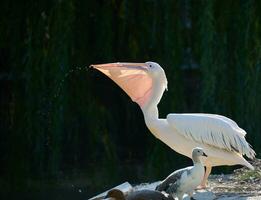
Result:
x=221 y=138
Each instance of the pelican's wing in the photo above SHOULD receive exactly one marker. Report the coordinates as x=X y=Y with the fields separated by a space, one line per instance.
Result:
x=214 y=130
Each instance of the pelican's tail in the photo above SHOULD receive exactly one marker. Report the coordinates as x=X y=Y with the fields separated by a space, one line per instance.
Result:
x=250 y=153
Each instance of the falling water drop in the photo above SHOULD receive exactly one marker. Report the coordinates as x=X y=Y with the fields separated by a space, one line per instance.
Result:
x=49 y=102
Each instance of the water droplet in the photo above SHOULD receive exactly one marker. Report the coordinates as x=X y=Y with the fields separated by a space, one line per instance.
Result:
x=57 y=91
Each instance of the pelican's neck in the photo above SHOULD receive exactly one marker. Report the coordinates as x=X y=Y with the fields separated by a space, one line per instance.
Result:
x=150 y=109
x=151 y=114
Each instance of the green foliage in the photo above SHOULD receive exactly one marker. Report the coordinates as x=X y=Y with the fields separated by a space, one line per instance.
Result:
x=58 y=119
x=250 y=175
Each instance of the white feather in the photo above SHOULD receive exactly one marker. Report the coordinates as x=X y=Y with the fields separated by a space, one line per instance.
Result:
x=213 y=130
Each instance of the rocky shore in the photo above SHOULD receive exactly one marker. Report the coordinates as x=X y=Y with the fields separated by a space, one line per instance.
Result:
x=242 y=184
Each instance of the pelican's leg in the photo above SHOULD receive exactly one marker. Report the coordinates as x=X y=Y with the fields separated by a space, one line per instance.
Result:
x=203 y=184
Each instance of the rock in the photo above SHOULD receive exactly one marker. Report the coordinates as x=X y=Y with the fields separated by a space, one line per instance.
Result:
x=238 y=197
x=202 y=195
x=124 y=187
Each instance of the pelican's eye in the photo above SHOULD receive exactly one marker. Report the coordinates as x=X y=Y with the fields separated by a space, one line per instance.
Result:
x=150 y=66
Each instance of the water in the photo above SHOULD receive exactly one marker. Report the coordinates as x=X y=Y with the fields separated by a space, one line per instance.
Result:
x=50 y=102
x=61 y=84
x=71 y=184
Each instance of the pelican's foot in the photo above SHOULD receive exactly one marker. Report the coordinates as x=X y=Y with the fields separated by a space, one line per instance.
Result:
x=191 y=198
x=202 y=187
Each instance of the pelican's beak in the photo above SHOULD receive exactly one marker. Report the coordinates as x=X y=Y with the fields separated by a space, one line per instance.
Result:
x=130 y=66
x=133 y=78
x=205 y=154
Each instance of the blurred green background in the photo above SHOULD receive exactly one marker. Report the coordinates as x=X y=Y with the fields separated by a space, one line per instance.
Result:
x=68 y=132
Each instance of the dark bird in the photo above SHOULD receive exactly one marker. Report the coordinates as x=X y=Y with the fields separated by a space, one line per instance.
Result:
x=138 y=195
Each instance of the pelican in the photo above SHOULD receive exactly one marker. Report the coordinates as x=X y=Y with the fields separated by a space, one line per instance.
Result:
x=221 y=138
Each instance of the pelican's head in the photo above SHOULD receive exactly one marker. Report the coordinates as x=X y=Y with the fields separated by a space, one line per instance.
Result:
x=138 y=80
x=157 y=73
